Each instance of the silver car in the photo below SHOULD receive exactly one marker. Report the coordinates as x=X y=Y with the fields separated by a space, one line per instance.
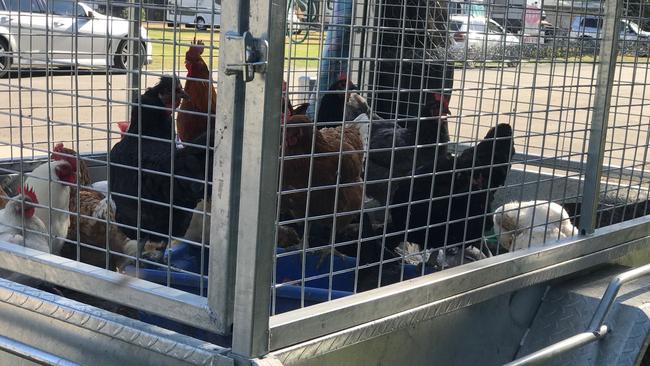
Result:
x=480 y=39
x=34 y=33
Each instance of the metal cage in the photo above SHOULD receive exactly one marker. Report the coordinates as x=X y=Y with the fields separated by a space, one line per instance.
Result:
x=318 y=168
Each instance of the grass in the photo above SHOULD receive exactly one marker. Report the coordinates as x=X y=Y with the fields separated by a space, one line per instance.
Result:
x=170 y=44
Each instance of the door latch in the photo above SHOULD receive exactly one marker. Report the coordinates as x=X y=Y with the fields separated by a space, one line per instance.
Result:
x=245 y=54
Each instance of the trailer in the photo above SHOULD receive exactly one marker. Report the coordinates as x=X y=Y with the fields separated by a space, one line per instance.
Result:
x=361 y=197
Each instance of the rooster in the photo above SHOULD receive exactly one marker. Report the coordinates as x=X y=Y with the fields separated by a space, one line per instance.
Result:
x=519 y=225
x=55 y=177
x=95 y=211
x=325 y=170
x=202 y=97
x=18 y=225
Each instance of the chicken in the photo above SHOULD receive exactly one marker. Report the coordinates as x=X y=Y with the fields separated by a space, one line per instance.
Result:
x=519 y=225
x=95 y=213
x=457 y=205
x=202 y=97
x=14 y=217
x=325 y=170
x=18 y=225
x=153 y=187
x=393 y=146
x=332 y=105
x=57 y=205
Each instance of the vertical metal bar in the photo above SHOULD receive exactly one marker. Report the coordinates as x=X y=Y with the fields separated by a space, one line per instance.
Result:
x=226 y=180
x=598 y=128
x=255 y=247
x=133 y=74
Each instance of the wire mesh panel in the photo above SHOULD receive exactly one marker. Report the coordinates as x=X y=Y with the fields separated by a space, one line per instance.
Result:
x=423 y=135
x=114 y=105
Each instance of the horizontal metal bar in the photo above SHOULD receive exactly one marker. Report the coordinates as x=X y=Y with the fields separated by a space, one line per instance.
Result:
x=321 y=319
x=413 y=317
x=596 y=329
x=33 y=354
x=545 y=354
x=612 y=291
x=89 y=334
x=157 y=299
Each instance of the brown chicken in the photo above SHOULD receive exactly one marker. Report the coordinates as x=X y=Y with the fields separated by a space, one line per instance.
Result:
x=298 y=141
x=202 y=95
x=95 y=210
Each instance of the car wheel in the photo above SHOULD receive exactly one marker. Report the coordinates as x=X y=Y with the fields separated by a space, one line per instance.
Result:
x=200 y=23
x=123 y=56
x=5 y=59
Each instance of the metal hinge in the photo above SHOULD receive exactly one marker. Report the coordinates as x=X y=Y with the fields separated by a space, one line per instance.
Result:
x=248 y=54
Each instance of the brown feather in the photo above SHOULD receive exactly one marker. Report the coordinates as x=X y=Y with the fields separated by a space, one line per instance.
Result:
x=202 y=98
x=325 y=172
x=92 y=230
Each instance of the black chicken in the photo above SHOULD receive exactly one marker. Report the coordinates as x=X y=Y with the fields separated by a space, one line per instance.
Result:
x=155 y=157
x=433 y=134
x=456 y=215
x=332 y=104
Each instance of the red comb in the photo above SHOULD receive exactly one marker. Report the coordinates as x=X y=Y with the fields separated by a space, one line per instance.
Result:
x=123 y=126
x=58 y=155
x=29 y=192
x=442 y=100
x=342 y=76
x=196 y=49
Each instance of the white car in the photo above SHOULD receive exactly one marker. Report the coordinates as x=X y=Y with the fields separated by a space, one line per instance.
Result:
x=480 y=39
x=199 y=13
x=34 y=33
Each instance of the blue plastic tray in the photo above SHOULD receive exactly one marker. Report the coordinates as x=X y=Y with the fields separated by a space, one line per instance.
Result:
x=288 y=297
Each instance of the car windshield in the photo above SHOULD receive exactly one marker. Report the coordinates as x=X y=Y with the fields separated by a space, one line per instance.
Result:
x=592 y=23
x=31 y=6
x=66 y=8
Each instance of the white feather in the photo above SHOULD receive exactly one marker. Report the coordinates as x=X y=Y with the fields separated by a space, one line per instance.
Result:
x=60 y=199
x=520 y=225
x=35 y=235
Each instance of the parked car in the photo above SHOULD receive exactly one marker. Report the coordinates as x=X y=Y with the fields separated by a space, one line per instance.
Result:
x=632 y=37
x=34 y=33
x=198 y=13
x=481 y=39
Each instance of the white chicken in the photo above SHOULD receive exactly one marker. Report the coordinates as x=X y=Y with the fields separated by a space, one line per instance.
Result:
x=58 y=171
x=519 y=225
x=13 y=218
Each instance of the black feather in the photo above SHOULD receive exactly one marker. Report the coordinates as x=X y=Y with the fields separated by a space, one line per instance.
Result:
x=461 y=217
x=156 y=156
